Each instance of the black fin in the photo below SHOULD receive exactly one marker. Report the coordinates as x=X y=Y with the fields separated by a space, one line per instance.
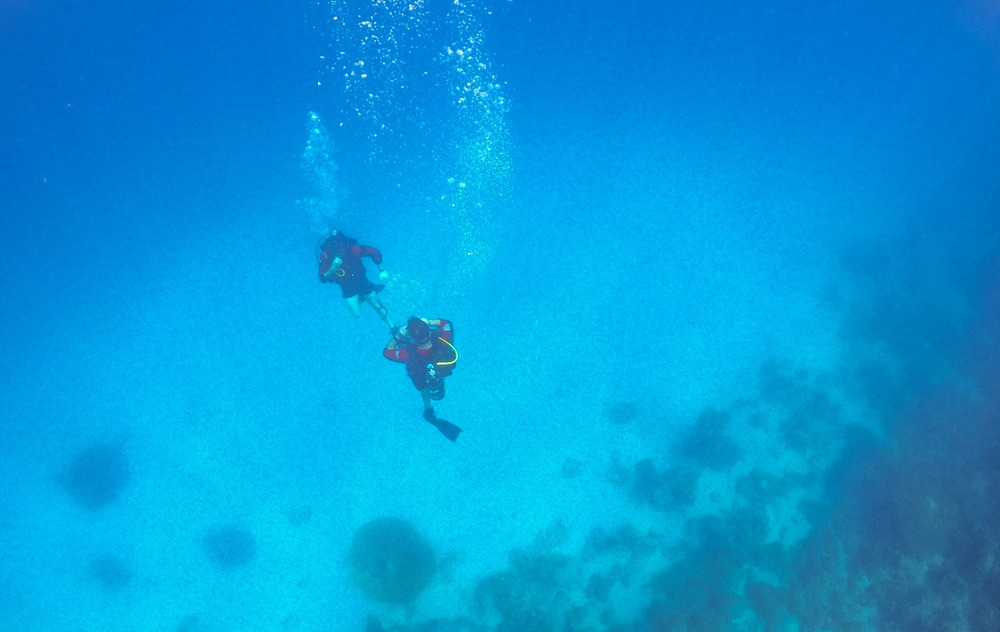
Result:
x=448 y=429
x=445 y=427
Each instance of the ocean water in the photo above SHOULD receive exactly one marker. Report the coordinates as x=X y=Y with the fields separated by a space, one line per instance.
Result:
x=725 y=283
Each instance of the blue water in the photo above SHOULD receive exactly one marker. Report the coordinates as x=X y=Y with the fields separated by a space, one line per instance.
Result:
x=724 y=280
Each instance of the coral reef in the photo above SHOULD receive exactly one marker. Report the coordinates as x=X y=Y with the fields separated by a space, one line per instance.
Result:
x=623 y=541
x=97 y=475
x=621 y=413
x=703 y=588
x=532 y=594
x=111 y=573
x=707 y=445
x=622 y=553
x=461 y=624
x=196 y=623
x=572 y=468
x=390 y=562
x=669 y=490
x=229 y=547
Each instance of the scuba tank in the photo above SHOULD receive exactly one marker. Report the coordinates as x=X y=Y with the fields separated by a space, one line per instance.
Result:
x=435 y=383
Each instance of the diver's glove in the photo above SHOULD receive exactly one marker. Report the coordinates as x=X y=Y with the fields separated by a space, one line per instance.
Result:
x=383 y=275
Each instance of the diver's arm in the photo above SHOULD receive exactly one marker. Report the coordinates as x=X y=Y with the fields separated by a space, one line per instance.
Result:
x=333 y=267
x=368 y=251
x=376 y=256
x=444 y=329
x=392 y=350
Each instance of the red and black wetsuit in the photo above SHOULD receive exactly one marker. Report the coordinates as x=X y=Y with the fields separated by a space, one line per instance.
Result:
x=420 y=363
x=350 y=275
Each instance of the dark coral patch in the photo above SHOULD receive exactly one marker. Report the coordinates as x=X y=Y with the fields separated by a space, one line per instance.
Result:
x=110 y=572
x=707 y=445
x=390 y=562
x=621 y=413
x=229 y=547
x=97 y=476
x=670 y=489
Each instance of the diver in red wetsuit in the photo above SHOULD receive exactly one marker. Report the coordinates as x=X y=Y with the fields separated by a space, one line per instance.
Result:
x=340 y=262
x=425 y=347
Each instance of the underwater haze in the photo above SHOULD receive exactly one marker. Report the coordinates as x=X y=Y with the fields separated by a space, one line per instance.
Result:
x=724 y=280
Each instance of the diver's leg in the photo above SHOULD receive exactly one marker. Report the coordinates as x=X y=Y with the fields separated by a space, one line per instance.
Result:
x=383 y=313
x=445 y=427
x=354 y=305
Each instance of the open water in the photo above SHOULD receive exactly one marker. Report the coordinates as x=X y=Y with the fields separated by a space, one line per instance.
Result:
x=724 y=277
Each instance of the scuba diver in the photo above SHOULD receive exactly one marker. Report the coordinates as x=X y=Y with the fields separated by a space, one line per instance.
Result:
x=424 y=346
x=340 y=262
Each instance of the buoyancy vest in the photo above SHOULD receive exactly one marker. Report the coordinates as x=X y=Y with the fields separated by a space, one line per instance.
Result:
x=335 y=246
x=426 y=370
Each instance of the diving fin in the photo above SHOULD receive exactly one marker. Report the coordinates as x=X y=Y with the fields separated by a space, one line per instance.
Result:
x=445 y=427
x=448 y=429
